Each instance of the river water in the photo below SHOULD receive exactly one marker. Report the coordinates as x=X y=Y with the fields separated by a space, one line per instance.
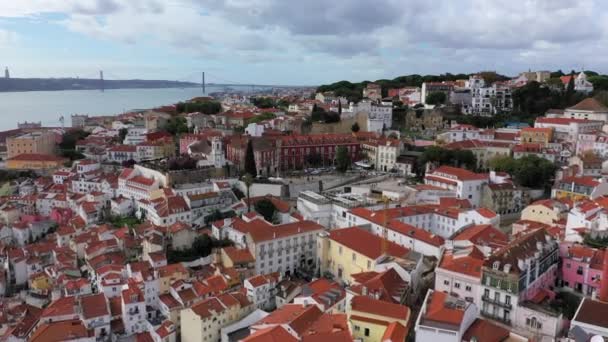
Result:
x=49 y=106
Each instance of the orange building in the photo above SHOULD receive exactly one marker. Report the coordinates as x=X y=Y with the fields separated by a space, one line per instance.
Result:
x=34 y=161
x=31 y=143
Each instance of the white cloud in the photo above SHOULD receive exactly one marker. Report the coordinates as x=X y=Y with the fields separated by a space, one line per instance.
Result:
x=380 y=38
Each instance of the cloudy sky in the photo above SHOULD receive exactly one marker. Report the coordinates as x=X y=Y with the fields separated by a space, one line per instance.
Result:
x=298 y=42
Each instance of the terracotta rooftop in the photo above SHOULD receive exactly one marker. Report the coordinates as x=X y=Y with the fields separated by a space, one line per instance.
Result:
x=378 y=307
x=589 y=104
x=468 y=262
x=366 y=243
x=485 y=331
x=61 y=331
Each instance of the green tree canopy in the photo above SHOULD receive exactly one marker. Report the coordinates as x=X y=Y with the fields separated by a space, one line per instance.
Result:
x=355 y=127
x=440 y=156
x=266 y=208
x=250 y=167
x=205 y=107
x=436 y=98
x=529 y=171
x=177 y=125
x=263 y=102
x=343 y=161
x=262 y=117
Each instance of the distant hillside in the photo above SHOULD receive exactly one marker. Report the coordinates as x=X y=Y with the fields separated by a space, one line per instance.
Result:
x=42 y=84
x=353 y=90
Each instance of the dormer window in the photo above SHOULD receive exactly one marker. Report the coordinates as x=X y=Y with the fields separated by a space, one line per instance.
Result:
x=495 y=265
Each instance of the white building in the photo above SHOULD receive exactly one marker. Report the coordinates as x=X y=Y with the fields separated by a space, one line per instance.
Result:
x=133 y=310
x=444 y=318
x=488 y=101
x=261 y=290
x=467 y=184
x=568 y=128
x=135 y=135
x=459 y=273
x=277 y=248
x=588 y=109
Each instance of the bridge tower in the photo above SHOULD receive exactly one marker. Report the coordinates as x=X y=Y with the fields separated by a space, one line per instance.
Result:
x=101 y=80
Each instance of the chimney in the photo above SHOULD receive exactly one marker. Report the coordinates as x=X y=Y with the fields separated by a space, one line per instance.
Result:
x=604 y=280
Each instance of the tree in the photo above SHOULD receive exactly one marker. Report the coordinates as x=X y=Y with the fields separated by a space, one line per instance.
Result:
x=602 y=97
x=177 y=125
x=355 y=127
x=342 y=159
x=529 y=171
x=570 y=88
x=266 y=208
x=203 y=245
x=436 y=98
x=248 y=180
x=339 y=107
x=250 y=167
x=122 y=134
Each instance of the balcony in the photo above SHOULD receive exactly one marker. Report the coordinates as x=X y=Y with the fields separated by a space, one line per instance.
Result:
x=496 y=302
x=497 y=318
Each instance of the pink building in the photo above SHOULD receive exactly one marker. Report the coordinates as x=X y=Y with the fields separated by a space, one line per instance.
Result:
x=581 y=269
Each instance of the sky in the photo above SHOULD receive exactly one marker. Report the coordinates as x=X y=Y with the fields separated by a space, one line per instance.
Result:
x=303 y=42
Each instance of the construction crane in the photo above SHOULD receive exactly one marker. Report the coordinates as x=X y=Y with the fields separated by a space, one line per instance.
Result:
x=386 y=201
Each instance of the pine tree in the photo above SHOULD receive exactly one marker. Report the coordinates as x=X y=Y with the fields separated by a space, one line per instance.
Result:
x=250 y=160
x=339 y=107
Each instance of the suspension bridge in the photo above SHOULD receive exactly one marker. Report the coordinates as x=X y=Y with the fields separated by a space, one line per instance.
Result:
x=200 y=79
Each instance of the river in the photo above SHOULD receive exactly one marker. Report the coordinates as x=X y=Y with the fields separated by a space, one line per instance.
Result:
x=49 y=106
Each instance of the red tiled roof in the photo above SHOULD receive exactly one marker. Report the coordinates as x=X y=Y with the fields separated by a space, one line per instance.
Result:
x=123 y=148
x=61 y=307
x=272 y=334
x=416 y=233
x=379 y=307
x=487 y=213
x=61 y=331
x=94 y=306
x=437 y=311
x=562 y=121
x=485 y=331
x=37 y=157
x=366 y=243
x=459 y=173
x=468 y=262
x=589 y=104
x=395 y=332
x=483 y=234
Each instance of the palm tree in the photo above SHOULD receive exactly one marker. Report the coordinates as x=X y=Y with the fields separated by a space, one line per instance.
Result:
x=248 y=180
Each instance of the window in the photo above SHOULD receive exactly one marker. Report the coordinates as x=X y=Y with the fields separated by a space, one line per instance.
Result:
x=468 y=288
x=369 y=264
x=446 y=282
x=457 y=285
x=357 y=328
x=354 y=257
x=366 y=331
x=486 y=293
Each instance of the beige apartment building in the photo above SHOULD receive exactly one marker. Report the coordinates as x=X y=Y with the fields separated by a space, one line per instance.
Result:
x=31 y=143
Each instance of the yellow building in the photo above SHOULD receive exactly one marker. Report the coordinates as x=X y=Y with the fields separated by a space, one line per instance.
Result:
x=536 y=135
x=204 y=320
x=170 y=274
x=344 y=252
x=546 y=211
x=34 y=162
x=40 y=282
x=35 y=142
x=370 y=319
